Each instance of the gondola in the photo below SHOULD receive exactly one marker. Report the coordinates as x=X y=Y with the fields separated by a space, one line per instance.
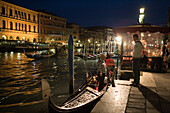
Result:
x=82 y=101
x=38 y=56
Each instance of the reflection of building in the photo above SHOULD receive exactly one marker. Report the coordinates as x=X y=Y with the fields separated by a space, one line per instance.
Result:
x=18 y=23
x=74 y=30
x=52 y=29
x=151 y=36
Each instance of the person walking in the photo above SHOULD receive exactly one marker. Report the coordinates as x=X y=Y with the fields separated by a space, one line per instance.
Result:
x=137 y=54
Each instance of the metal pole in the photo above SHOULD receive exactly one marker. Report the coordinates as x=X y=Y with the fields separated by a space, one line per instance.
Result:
x=71 y=64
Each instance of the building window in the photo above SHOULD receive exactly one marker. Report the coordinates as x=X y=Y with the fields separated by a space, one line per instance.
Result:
x=10 y=12
x=19 y=15
x=34 y=29
x=29 y=17
x=34 y=40
x=33 y=17
x=4 y=37
x=4 y=24
x=17 y=38
x=25 y=15
x=16 y=15
x=19 y=26
x=11 y=37
x=3 y=10
x=22 y=27
x=26 y=27
x=11 y=25
x=29 y=28
x=22 y=15
x=16 y=26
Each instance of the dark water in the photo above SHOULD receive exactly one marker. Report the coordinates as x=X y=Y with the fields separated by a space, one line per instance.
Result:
x=20 y=80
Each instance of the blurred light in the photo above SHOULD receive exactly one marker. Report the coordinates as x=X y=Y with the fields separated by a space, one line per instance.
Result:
x=142 y=34
x=142 y=10
x=89 y=40
x=149 y=34
x=118 y=38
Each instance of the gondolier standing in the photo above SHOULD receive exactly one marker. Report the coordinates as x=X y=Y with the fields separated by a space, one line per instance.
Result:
x=137 y=54
x=102 y=71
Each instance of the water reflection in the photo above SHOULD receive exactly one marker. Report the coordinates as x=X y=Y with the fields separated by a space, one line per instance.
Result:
x=20 y=79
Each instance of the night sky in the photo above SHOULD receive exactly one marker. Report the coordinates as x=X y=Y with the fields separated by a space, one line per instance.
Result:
x=112 y=13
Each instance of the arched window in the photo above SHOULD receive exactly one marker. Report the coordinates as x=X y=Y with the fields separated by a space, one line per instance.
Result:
x=17 y=38
x=22 y=27
x=4 y=37
x=23 y=38
x=16 y=26
x=19 y=26
x=34 y=29
x=3 y=10
x=25 y=27
x=34 y=40
x=4 y=24
x=10 y=12
x=11 y=25
x=29 y=28
x=11 y=38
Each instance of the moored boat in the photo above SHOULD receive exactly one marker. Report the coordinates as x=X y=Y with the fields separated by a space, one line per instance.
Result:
x=82 y=101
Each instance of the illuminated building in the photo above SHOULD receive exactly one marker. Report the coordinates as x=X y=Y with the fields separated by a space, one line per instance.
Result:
x=52 y=28
x=74 y=30
x=18 y=23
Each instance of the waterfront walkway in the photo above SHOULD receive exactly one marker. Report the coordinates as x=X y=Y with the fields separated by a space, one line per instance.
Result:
x=153 y=96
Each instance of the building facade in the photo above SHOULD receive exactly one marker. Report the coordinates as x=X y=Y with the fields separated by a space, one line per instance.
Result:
x=52 y=28
x=74 y=30
x=18 y=23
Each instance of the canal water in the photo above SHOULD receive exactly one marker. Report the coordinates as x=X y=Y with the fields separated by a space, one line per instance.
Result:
x=20 y=80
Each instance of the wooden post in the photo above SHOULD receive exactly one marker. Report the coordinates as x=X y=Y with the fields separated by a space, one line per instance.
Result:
x=71 y=64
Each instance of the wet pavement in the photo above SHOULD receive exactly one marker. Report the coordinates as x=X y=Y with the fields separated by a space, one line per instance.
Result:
x=152 y=96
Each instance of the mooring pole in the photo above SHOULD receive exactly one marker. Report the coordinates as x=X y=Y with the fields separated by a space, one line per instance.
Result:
x=71 y=64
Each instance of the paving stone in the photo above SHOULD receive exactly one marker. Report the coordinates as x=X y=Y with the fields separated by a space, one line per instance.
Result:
x=136 y=96
x=135 y=92
x=134 y=110
x=136 y=105
x=136 y=100
x=165 y=106
x=152 y=106
x=163 y=93
x=152 y=111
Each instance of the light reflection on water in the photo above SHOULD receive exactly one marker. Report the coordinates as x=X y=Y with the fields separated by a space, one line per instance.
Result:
x=20 y=79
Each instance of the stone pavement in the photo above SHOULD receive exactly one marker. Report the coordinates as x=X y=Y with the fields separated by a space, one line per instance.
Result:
x=153 y=96
x=115 y=99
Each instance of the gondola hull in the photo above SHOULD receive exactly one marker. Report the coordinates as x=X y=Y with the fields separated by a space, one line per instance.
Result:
x=38 y=56
x=81 y=101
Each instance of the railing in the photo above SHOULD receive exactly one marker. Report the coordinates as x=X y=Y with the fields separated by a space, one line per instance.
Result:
x=146 y=64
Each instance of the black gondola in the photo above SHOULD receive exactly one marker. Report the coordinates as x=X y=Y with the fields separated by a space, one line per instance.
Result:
x=82 y=101
x=37 y=56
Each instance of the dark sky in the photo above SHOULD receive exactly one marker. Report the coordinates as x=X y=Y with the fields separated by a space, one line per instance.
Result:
x=112 y=13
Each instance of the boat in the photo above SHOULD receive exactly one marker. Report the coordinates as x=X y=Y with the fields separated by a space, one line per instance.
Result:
x=37 y=56
x=82 y=101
